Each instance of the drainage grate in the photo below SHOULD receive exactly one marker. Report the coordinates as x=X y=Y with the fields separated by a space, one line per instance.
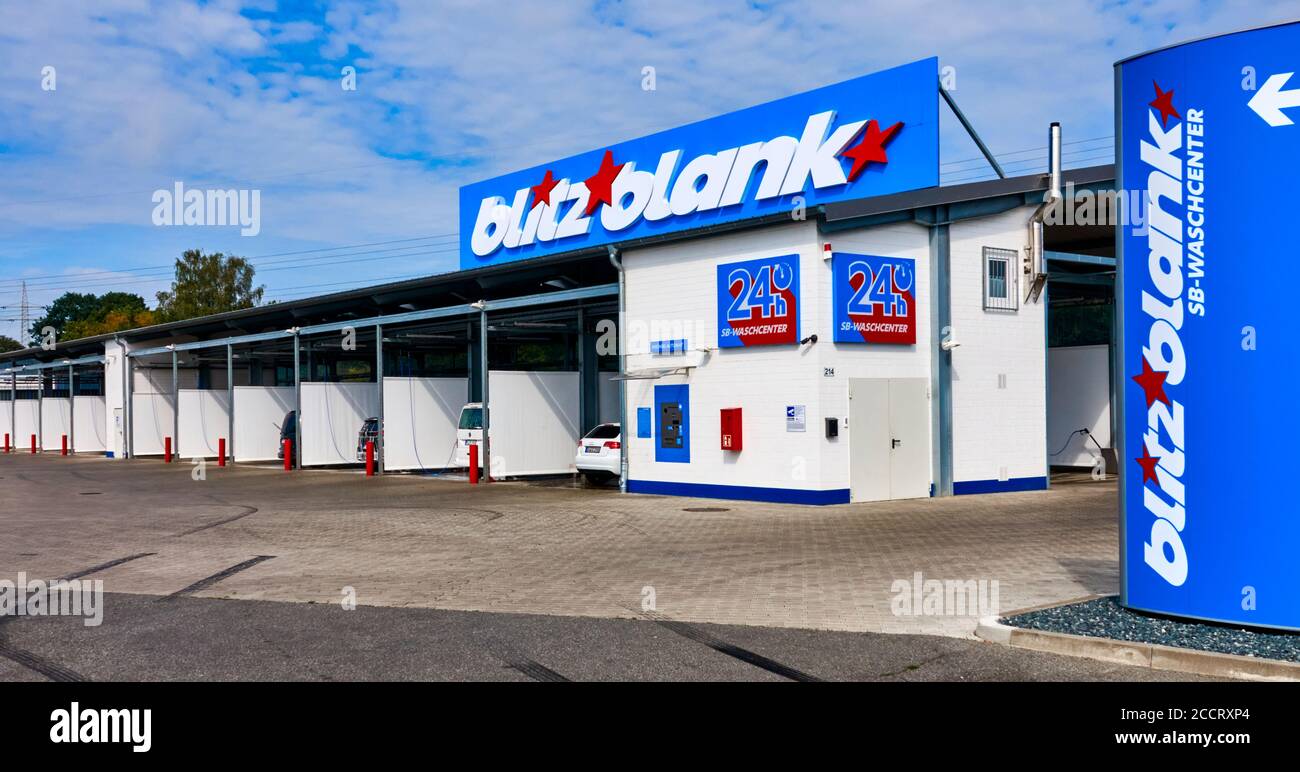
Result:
x=91 y=493
x=706 y=509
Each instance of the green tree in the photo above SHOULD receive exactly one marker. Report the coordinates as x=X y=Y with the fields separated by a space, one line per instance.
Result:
x=83 y=314
x=9 y=344
x=208 y=284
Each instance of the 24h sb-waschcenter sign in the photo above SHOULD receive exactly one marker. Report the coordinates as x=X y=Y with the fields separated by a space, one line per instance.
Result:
x=1210 y=132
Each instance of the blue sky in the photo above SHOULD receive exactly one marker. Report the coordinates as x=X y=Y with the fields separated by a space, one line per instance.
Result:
x=360 y=186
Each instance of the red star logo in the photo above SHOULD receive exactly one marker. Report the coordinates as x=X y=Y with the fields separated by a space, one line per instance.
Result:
x=1164 y=102
x=871 y=148
x=1152 y=383
x=542 y=190
x=1148 y=464
x=600 y=184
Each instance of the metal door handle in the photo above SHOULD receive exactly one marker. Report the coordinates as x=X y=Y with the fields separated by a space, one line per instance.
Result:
x=895 y=443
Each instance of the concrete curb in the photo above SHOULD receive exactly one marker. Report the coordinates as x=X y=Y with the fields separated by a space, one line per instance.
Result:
x=1154 y=656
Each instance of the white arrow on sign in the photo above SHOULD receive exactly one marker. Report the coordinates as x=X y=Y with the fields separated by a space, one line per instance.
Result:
x=1270 y=100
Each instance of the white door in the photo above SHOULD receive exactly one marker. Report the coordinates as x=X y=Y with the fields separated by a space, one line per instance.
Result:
x=869 y=435
x=889 y=438
x=909 y=425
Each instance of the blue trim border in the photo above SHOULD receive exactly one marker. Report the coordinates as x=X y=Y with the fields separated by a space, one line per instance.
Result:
x=999 y=486
x=740 y=492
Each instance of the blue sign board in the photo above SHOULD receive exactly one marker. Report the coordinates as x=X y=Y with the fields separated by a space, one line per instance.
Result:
x=758 y=302
x=869 y=136
x=1210 y=144
x=874 y=298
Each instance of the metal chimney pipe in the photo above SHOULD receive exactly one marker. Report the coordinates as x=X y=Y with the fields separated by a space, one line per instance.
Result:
x=1054 y=163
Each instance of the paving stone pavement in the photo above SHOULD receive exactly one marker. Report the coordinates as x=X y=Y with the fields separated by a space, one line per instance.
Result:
x=554 y=548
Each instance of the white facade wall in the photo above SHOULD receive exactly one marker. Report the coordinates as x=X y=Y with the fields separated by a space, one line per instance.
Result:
x=115 y=398
x=672 y=293
x=857 y=360
x=998 y=434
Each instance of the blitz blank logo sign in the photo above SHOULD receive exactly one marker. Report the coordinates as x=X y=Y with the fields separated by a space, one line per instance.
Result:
x=875 y=298
x=1208 y=136
x=758 y=302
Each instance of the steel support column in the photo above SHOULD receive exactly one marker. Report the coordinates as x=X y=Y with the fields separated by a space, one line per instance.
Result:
x=72 y=414
x=230 y=401
x=128 y=389
x=379 y=387
x=940 y=359
x=483 y=359
x=176 y=406
x=40 y=411
x=296 y=450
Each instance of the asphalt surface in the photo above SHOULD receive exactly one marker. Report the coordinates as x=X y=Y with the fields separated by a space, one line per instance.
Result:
x=179 y=638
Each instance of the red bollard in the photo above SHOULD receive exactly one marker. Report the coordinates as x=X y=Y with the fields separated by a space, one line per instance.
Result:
x=473 y=464
x=6 y=442
x=221 y=451
x=64 y=450
x=33 y=444
x=167 y=450
x=370 y=458
x=288 y=455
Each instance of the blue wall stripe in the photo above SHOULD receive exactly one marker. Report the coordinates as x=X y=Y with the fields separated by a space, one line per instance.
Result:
x=1000 y=486
x=795 y=496
x=740 y=492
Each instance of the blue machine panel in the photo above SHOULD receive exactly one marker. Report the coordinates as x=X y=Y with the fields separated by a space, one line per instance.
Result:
x=673 y=424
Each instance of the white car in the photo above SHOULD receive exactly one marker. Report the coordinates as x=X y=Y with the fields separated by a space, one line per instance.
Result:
x=599 y=453
x=469 y=431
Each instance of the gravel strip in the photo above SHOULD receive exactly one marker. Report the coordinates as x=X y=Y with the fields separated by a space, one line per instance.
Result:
x=1105 y=618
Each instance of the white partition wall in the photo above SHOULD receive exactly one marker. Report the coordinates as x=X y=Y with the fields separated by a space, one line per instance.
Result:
x=6 y=426
x=332 y=414
x=27 y=418
x=1078 y=398
x=204 y=421
x=534 y=418
x=88 y=419
x=259 y=413
x=56 y=422
x=420 y=417
x=151 y=421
